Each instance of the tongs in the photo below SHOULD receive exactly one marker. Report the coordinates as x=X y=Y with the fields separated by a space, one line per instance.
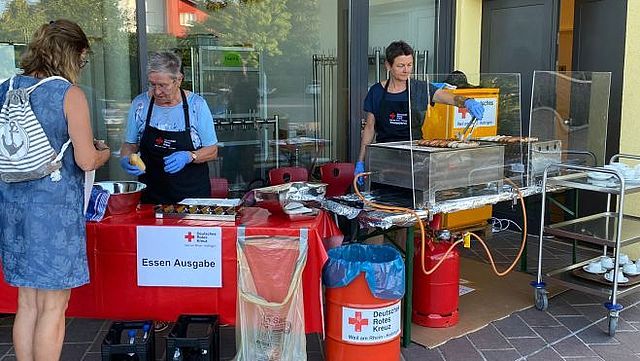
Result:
x=469 y=128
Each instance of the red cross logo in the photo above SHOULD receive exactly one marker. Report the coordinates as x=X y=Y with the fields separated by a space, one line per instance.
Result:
x=463 y=111
x=358 y=321
x=189 y=237
x=392 y=116
x=159 y=141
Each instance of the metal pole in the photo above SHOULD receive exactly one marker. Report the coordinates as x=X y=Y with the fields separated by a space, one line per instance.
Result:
x=331 y=118
x=424 y=65
x=277 y=136
x=377 y=54
x=408 y=288
x=141 y=32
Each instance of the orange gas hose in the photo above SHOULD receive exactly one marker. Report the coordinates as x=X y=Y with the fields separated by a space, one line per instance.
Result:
x=393 y=209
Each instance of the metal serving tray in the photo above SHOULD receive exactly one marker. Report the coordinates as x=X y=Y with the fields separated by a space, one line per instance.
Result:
x=565 y=277
x=204 y=209
x=599 y=229
x=436 y=170
x=580 y=180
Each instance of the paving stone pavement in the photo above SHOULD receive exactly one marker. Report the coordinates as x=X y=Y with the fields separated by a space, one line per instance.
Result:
x=573 y=328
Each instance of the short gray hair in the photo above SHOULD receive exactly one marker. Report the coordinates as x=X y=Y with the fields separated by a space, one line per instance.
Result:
x=164 y=62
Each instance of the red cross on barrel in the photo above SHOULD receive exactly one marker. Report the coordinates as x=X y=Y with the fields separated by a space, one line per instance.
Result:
x=358 y=321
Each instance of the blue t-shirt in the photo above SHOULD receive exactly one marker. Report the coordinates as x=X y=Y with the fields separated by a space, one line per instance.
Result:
x=421 y=94
x=419 y=99
x=171 y=118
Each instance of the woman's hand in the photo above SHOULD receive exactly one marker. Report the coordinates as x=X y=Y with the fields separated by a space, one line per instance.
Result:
x=474 y=107
x=100 y=144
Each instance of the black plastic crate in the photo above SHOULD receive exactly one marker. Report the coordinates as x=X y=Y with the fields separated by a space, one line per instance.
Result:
x=196 y=336
x=116 y=346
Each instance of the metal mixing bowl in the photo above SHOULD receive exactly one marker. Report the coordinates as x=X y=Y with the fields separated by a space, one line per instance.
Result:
x=124 y=195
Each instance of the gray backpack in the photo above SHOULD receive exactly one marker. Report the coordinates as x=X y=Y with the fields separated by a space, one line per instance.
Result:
x=25 y=151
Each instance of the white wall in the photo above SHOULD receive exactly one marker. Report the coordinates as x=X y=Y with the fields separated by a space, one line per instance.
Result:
x=410 y=20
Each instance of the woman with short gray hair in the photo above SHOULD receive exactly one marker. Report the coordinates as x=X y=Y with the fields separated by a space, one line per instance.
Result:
x=164 y=62
x=173 y=130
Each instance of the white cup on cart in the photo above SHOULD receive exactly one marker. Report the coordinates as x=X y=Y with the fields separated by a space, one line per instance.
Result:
x=626 y=171
x=623 y=259
x=630 y=269
x=595 y=267
x=607 y=262
x=621 y=278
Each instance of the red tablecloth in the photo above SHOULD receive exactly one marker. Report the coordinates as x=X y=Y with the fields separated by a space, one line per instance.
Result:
x=114 y=294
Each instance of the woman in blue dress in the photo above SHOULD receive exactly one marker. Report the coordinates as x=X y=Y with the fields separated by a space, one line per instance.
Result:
x=42 y=228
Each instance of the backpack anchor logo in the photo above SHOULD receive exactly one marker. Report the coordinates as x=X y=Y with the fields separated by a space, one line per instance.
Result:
x=17 y=145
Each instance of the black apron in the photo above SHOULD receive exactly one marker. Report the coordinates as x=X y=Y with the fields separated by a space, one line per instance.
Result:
x=192 y=181
x=392 y=120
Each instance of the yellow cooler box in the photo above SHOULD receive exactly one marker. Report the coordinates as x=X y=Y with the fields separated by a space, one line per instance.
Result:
x=446 y=121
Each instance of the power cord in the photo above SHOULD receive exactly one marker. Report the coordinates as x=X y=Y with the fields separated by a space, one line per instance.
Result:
x=502 y=224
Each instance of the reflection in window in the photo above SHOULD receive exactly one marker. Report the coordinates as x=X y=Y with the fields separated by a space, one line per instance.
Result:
x=187 y=19
x=253 y=61
x=109 y=79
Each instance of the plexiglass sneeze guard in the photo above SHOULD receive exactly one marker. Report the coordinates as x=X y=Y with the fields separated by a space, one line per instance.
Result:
x=441 y=174
x=569 y=109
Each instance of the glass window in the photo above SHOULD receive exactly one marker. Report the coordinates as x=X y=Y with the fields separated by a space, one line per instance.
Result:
x=413 y=21
x=110 y=78
x=267 y=70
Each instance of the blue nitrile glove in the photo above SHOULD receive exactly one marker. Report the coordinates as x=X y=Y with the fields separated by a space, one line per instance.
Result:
x=175 y=162
x=359 y=169
x=474 y=107
x=130 y=168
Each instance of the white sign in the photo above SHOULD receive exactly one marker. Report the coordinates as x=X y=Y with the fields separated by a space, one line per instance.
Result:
x=461 y=117
x=370 y=325
x=179 y=256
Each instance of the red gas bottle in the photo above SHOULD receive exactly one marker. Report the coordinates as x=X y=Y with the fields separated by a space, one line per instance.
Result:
x=435 y=296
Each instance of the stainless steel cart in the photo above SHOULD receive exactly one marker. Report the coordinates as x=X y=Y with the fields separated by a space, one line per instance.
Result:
x=608 y=229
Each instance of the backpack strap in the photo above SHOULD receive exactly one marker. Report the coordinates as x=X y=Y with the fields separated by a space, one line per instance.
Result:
x=30 y=89
x=56 y=175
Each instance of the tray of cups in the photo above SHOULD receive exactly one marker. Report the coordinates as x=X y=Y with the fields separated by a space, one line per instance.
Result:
x=208 y=209
x=601 y=271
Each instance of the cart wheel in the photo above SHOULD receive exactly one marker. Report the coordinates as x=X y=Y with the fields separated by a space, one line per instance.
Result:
x=613 y=324
x=542 y=301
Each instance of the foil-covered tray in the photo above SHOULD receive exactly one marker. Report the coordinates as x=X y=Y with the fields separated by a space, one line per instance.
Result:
x=207 y=209
x=293 y=199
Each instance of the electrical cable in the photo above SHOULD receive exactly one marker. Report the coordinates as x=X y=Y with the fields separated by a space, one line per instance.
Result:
x=393 y=209
x=498 y=226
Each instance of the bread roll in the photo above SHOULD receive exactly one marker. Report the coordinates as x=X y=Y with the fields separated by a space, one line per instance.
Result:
x=134 y=159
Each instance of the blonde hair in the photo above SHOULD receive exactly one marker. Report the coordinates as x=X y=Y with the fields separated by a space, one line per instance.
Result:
x=56 y=49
